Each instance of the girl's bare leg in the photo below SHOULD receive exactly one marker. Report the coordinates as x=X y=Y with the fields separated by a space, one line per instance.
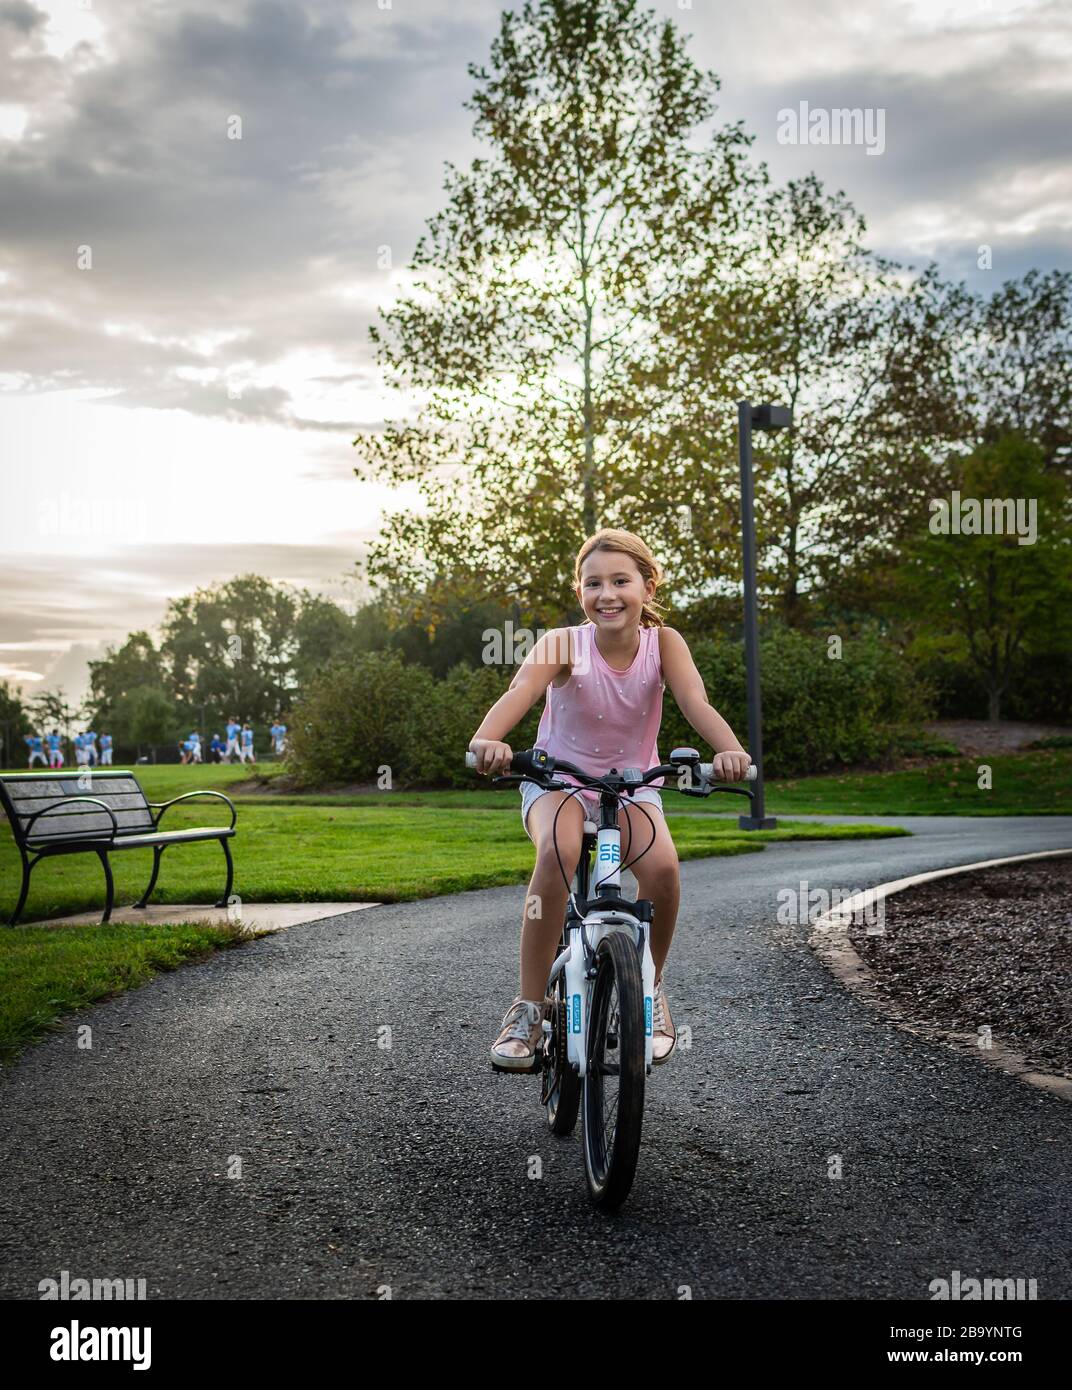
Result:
x=656 y=873
x=545 y=904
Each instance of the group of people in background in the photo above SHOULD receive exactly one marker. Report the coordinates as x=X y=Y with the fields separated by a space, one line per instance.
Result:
x=86 y=753
x=238 y=744
x=47 y=749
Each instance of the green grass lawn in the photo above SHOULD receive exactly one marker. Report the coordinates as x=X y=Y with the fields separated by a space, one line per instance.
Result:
x=381 y=847
x=1036 y=784
x=47 y=972
x=315 y=853
x=393 y=846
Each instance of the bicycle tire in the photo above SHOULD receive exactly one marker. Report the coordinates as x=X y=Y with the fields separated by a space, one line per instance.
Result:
x=610 y=1161
x=562 y=1085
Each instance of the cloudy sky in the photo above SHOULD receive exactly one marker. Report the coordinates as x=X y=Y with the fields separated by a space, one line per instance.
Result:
x=180 y=409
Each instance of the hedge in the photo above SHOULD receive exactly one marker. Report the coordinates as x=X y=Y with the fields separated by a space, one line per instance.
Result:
x=820 y=712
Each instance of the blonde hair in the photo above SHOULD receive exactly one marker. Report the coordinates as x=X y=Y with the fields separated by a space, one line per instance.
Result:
x=609 y=538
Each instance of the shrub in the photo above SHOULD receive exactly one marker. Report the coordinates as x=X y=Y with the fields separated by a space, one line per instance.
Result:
x=378 y=710
x=818 y=713
x=352 y=718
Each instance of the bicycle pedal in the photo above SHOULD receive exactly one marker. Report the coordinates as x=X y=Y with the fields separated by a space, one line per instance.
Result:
x=516 y=1071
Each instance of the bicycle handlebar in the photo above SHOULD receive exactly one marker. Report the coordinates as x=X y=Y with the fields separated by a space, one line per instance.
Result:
x=523 y=764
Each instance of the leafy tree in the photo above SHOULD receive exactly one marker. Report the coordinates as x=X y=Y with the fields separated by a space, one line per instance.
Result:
x=148 y=716
x=229 y=648
x=51 y=710
x=322 y=633
x=15 y=723
x=120 y=672
x=533 y=334
x=834 y=332
x=987 y=597
x=1016 y=363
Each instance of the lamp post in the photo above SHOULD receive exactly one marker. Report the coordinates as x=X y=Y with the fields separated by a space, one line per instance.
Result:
x=749 y=417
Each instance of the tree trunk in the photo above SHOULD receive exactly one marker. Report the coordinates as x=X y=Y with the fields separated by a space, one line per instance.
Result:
x=994 y=713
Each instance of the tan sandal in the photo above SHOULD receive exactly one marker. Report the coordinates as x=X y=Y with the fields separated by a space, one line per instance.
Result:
x=522 y=1028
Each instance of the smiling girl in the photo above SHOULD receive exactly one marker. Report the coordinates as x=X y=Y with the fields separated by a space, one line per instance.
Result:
x=604 y=682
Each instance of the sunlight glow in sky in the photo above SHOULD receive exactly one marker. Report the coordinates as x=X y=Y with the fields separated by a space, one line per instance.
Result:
x=183 y=411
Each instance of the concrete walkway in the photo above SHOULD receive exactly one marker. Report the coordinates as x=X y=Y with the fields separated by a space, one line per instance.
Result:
x=266 y=917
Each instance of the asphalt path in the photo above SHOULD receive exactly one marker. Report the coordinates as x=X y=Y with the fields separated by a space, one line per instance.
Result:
x=416 y=1169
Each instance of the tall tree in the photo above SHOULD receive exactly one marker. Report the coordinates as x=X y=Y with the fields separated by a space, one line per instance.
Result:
x=968 y=587
x=52 y=710
x=1016 y=363
x=824 y=326
x=533 y=334
x=230 y=648
x=122 y=670
x=15 y=723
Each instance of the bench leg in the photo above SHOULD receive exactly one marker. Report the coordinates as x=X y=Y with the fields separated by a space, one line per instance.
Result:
x=26 y=867
x=230 y=874
x=103 y=857
x=158 y=850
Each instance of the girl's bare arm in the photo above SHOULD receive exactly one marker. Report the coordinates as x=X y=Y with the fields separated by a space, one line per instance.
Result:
x=686 y=683
x=534 y=675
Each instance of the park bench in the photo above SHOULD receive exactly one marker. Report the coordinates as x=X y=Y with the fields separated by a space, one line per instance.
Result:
x=98 y=813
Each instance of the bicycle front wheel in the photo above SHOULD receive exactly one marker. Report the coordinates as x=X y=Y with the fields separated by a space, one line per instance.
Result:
x=613 y=1108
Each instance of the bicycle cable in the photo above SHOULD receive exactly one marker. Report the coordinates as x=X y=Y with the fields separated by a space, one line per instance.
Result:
x=622 y=801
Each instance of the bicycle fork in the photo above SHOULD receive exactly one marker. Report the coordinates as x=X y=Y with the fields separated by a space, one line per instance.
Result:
x=578 y=963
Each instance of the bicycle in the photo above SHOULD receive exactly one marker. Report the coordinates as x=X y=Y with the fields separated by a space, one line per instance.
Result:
x=599 y=1000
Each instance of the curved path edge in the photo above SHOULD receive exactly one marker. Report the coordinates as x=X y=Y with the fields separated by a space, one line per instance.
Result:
x=830 y=941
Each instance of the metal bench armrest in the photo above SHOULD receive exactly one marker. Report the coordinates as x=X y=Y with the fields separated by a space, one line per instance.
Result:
x=69 y=801
x=162 y=806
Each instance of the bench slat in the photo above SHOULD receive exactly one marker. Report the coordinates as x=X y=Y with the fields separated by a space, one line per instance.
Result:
x=170 y=837
x=28 y=796
x=34 y=788
x=27 y=808
x=69 y=827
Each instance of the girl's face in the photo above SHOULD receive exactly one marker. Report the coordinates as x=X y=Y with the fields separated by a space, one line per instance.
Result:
x=612 y=591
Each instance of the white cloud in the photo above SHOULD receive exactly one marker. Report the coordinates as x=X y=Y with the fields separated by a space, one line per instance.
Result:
x=210 y=370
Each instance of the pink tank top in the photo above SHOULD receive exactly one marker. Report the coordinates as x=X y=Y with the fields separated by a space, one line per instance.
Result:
x=603 y=718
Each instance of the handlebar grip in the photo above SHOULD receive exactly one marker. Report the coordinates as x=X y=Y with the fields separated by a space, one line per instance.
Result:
x=707 y=772
x=521 y=763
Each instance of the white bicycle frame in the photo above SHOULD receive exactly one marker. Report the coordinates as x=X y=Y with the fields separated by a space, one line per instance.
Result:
x=600 y=922
x=573 y=961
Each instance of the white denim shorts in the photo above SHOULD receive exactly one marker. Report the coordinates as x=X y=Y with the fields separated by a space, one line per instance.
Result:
x=588 y=798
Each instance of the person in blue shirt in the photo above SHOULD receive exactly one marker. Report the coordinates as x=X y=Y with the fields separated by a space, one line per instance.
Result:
x=216 y=748
x=233 y=729
x=187 y=746
x=55 y=749
x=106 y=750
x=247 y=753
x=33 y=742
x=279 y=734
x=79 y=749
x=195 y=750
x=89 y=743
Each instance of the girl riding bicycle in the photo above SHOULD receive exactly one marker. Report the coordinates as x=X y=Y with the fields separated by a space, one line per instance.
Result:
x=604 y=682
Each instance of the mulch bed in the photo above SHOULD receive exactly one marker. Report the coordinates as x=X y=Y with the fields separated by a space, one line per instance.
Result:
x=987 y=949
